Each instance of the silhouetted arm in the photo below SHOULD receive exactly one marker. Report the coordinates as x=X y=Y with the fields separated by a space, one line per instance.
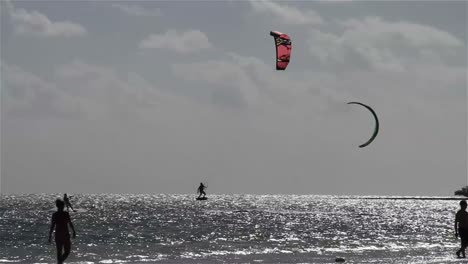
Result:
x=71 y=226
x=52 y=226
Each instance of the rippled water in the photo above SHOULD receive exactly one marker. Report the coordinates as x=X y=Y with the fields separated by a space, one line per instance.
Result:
x=232 y=229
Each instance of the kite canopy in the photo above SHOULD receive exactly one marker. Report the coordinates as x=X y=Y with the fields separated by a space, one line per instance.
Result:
x=283 y=49
x=376 y=129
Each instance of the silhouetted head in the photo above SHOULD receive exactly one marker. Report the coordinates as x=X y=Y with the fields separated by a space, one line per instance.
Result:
x=463 y=204
x=60 y=204
x=65 y=195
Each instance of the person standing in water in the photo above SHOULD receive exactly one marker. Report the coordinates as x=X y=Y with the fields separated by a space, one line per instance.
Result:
x=67 y=202
x=60 y=222
x=201 y=190
x=461 y=228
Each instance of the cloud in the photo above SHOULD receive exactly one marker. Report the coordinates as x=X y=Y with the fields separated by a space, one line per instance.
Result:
x=375 y=29
x=105 y=91
x=184 y=42
x=134 y=10
x=231 y=85
x=334 y=1
x=373 y=43
x=286 y=13
x=26 y=94
x=426 y=97
x=429 y=89
x=77 y=90
x=248 y=82
x=35 y=23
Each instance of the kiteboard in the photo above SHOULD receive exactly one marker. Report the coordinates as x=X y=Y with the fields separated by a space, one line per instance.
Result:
x=78 y=210
x=202 y=198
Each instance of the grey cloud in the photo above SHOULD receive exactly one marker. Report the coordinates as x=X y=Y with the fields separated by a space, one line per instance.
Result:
x=378 y=31
x=77 y=90
x=181 y=42
x=37 y=24
x=230 y=84
x=105 y=90
x=286 y=13
x=373 y=43
x=335 y=1
x=135 y=10
x=26 y=94
x=231 y=118
x=252 y=83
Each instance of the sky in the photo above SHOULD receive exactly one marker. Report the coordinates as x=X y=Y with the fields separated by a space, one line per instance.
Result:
x=158 y=96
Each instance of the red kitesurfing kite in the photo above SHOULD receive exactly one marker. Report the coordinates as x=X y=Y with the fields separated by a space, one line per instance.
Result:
x=283 y=49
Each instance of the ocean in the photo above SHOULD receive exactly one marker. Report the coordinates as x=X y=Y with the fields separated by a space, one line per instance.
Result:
x=113 y=228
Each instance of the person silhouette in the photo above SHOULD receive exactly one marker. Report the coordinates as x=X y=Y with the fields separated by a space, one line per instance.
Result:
x=60 y=222
x=461 y=228
x=201 y=190
x=67 y=202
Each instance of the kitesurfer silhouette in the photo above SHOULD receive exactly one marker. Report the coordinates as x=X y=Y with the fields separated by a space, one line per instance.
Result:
x=201 y=190
x=67 y=202
x=60 y=222
x=461 y=228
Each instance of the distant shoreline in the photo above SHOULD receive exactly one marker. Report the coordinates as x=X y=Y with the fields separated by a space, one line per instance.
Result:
x=217 y=195
x=404 y=198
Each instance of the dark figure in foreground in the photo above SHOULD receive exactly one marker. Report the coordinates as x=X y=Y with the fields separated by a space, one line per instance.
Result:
x=201 y=190
x=67 y=202
x=60 y=221
x=461 y=228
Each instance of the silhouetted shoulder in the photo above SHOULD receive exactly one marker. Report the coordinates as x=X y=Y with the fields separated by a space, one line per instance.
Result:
x=461 y=214
x=66 y=215
x=61 y=216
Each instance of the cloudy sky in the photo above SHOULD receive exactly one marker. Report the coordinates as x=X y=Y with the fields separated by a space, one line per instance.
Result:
x=154 y=97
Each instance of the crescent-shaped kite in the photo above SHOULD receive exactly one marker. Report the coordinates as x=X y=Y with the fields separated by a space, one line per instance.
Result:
x=376 y=129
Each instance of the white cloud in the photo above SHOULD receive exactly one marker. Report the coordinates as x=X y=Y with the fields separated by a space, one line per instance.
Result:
x=286 y=13
x=184 y=42
x=134 y=10
x=381 y=45
x=35 y=23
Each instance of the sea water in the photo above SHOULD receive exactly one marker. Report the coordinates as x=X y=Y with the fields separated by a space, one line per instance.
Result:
x=115 y=228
